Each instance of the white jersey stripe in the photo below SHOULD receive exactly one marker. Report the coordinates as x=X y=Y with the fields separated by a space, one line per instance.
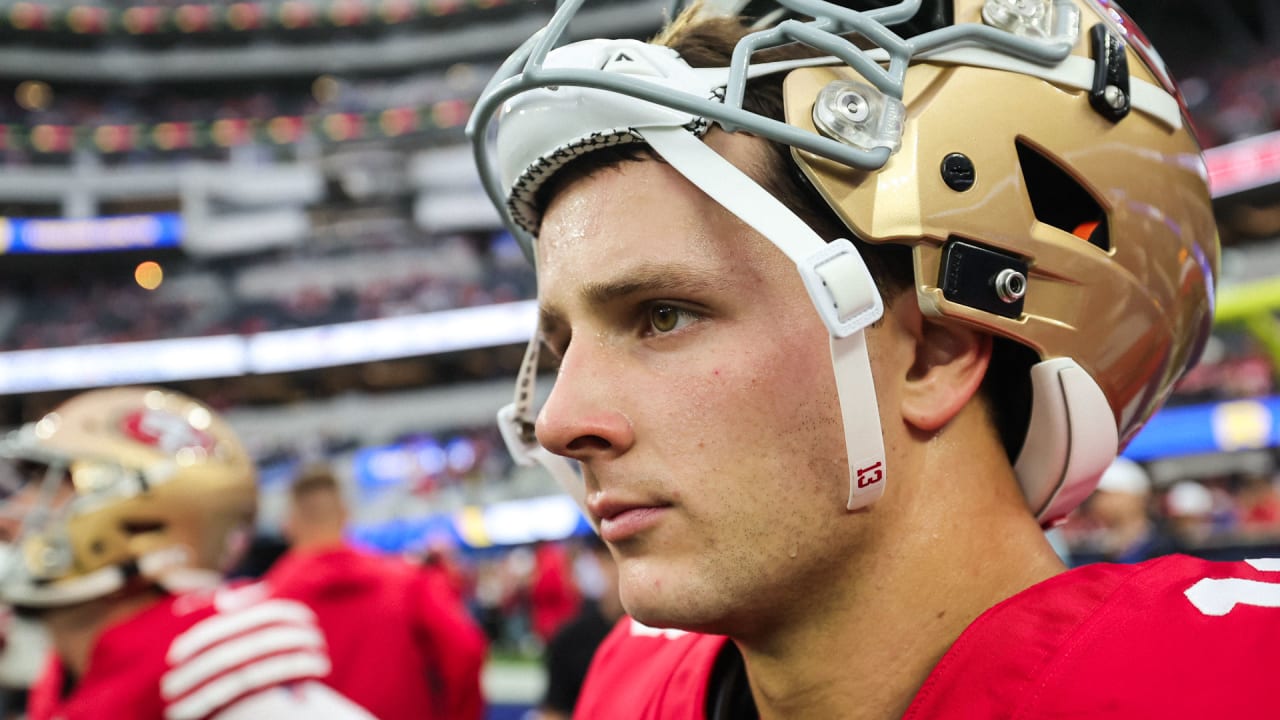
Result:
x=247 y=680
x=1265 y=564
x=214 y=661
x=306 y=701
x=219 y=628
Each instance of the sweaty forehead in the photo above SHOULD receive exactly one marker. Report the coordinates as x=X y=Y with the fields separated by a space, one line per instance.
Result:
x=622 y=208
x=631 y=209
x=748 y=153
x=636 y=222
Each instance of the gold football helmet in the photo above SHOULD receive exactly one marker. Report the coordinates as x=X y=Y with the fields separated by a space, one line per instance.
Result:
x=1034 y=155
x=120 y=483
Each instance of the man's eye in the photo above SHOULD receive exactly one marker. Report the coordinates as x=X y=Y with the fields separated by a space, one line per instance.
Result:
x=665 y=318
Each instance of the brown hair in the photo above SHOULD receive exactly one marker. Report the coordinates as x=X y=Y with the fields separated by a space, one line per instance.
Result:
x=312 y=480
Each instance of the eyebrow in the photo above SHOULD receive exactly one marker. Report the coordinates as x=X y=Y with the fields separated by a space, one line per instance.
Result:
x=647 y=278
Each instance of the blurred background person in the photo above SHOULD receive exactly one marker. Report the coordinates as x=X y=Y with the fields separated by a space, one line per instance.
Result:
x=571 y=649
x=403 y=644
x=553 y=593
x=441 y=557
x=1122 y=529
x=122 y=508
x=1258 y=507
x=1190 y=506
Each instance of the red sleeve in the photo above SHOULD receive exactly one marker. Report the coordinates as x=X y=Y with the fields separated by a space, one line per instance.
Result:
x=454 y=646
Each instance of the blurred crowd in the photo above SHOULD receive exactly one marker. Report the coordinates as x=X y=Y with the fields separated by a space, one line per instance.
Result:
x=1228 y=101
x=70 y=104
x=1130 y=519
x=290 y=289
x=1234 y=101
x=1234 y=366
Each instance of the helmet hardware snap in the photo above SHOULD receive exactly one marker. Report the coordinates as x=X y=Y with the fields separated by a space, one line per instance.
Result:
x=983 y=278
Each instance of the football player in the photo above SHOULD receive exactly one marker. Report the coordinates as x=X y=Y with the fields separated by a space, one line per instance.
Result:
x=122 y=509
x=402 y=643
x=849 y=305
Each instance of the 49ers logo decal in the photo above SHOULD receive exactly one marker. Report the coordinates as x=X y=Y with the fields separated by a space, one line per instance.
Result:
x=166 y=431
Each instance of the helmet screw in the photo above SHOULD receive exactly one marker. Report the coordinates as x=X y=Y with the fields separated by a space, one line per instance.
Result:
x=958 y=172
x=1115 y=97
x=1011 y=285
x=52 y=559
x=855 y=107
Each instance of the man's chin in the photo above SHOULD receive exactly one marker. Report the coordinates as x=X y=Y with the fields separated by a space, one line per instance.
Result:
x=671 y=614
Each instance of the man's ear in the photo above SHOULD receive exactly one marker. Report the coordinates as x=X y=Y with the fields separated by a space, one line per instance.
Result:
x=948 y=366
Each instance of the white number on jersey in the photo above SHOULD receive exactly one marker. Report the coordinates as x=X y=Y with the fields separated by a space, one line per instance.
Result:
x=1218 y=596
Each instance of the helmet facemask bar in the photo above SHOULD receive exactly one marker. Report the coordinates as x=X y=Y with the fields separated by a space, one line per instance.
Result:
x=158 y=488
x=33 y=512
x=526 y=70
x=515 y=422
x=41 y=564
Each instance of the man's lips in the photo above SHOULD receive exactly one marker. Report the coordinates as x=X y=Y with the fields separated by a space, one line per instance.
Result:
x=622 y=519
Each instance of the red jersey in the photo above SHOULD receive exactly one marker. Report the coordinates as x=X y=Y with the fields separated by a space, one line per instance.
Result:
x=402 y=644
x=1174 y=637
x=642 y=673
x=194 y=656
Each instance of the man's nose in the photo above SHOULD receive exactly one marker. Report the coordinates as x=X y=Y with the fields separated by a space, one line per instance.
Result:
x=583 y=419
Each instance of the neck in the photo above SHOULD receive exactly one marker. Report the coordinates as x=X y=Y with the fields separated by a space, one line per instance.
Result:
x=74 y=631
x=316 y=539
x=946 y=547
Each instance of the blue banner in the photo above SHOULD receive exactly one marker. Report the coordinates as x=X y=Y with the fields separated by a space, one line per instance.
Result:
x=1215 y=427
x=101 y=234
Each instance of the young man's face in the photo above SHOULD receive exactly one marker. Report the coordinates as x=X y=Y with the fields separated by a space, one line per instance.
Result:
x=696 y=389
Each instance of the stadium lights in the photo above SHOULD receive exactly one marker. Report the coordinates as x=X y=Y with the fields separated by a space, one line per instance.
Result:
x=153 y=361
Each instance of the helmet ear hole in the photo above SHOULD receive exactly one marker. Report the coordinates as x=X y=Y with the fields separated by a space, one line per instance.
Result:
x=1058 y=199
x=134 y=528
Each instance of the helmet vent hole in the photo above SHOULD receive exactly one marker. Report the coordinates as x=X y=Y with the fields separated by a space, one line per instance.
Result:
x=1058 y=199
x=138 y=527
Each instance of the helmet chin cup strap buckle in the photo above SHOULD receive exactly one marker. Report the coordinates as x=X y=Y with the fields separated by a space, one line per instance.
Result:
x=841 y=288
x=1071 y=439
